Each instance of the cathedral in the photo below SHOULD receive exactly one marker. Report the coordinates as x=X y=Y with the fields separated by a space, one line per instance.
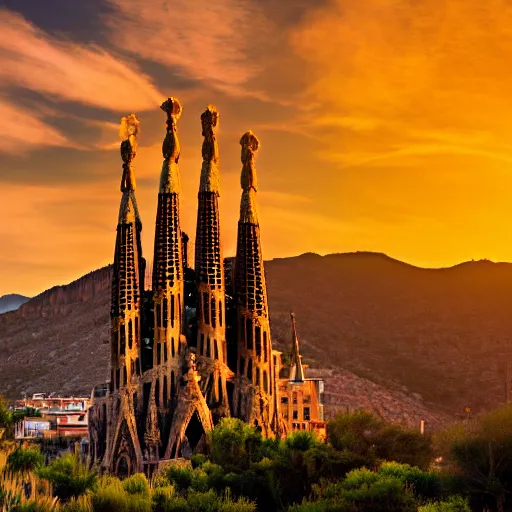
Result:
x=194 y=345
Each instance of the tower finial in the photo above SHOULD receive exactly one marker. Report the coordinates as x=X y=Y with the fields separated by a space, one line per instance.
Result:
x=248 y=179
x=128 y=132
x=296 y=368
x=170 y=178
x=209 y=171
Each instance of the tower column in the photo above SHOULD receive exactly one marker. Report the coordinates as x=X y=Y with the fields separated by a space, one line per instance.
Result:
x=254 y=397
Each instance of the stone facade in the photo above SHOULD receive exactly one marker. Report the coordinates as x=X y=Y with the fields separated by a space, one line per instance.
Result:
x=196 y=347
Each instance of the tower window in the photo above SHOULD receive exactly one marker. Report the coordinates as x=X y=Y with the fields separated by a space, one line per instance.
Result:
x=248 y=329
x=172 y=310
x=208 y=351
x=157 y=392
x=158 y=353
x=220 y=313
x=257 y=339
x=249 y=369
x=165 y=351
x=206 y=309
x=214 y=314
x=216 y=347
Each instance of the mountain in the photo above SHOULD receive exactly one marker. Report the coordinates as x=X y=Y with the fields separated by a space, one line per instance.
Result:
x=12 y=302
x=407 y=342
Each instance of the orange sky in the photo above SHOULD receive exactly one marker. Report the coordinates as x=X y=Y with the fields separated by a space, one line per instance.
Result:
x=384 y=125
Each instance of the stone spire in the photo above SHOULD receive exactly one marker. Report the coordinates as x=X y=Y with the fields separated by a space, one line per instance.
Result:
x=296 y=368
x=254 y=397
x=167 y=279
x=211 y=316
x=125 y=313
x=128 y=272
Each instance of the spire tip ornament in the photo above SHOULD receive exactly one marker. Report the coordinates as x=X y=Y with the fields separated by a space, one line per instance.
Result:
x=170 y=177
x=210 y=179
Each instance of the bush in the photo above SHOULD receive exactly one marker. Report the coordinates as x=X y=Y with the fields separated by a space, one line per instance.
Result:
x=162 y=498
x=110 y=496
x=301 y=441
x=38 y=505
x=70 y=477
x=136 y=484
x=452 y=504
x=81 y=504
x=24 y=460
x=181 y=476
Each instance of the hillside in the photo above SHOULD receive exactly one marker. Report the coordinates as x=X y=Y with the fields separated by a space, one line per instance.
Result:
x=12 y=302
x=410 y=343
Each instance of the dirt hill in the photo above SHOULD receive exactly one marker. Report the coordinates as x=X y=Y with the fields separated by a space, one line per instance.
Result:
x=409 y=343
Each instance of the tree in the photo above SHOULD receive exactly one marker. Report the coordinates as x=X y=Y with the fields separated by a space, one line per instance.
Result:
x=364 y=434
x=483 y=454
x=69 y=476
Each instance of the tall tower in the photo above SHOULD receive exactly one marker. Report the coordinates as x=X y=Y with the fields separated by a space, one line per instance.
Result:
x=127 y=289
x=209 y=266
x=168 y=294
x=254 y=398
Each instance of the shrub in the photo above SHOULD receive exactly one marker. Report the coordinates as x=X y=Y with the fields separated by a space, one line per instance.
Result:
x=81 y=504
x=136 y=484
x=70 y=477
x=24 y=460
x=41 y=504
x=162 y=498
x=452 y=504
x=110 y=496
x=301 y=441
x=181 y=476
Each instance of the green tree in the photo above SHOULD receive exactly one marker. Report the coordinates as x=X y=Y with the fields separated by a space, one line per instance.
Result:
x=69 y=476
x=370 y=437
x=483 y=454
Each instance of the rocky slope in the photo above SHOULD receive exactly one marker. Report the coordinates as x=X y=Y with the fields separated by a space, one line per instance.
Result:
x=409 y=343
x=12 y=302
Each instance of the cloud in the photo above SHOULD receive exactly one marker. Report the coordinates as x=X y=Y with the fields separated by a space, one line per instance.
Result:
x=389 y=74
x=211 y=42
x=21 y=130
x=33 y=59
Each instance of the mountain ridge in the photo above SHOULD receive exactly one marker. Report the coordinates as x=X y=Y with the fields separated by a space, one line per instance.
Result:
x=409 y=342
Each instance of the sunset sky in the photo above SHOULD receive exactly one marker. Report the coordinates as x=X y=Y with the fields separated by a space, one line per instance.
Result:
x=384 y=125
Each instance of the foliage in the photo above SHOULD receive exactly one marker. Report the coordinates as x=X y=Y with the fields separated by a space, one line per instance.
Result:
x=81 y=504
x=24 y=460
x=364 y=434
x=452 y=504
x=69 y=477
x=483 y=455
x=235 y=444
x=110 y=495
x=136 y=484
x=5 y=413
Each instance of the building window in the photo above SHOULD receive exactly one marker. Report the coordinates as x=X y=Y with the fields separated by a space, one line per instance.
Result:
x=294 y=397
x=284 y=399
x=303 y=426
x=307 y=414
x=295 y=415
x=306 y=399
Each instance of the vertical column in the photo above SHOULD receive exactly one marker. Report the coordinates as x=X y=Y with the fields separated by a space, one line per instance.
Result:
x=211 y=321
x=254 y=398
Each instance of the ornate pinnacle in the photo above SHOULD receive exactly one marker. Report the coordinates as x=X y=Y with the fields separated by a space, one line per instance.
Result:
x=250 y=144
x=171 y=146
x=128 y=132
x=248 y=179
x=209 y=171
x=170 y=178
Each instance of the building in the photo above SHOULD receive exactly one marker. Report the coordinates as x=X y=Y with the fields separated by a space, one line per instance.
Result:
x=196 y=346
x=300 y=398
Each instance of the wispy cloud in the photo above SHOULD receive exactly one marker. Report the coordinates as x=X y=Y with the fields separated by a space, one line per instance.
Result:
x=394 y=73
x=210 y=42
x=21 y=130
x=62 y=69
